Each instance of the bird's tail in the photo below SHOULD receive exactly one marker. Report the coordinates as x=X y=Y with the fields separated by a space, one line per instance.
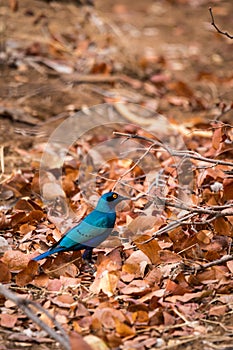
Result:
x=48 y=253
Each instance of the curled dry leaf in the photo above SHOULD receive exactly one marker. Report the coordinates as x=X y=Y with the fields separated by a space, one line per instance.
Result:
x=205 y=236
x=107 y=316
x=223 y=227
x=106 y=281
x=4 y=221
x=151 y=249
x=15 y=260
x=136 y=287
x=124 y=330
x=187 y=297
x=63 y=300
x=108 y=274
x=94 y=342
x=28 y=274
x=134 y=266
x=175 y=288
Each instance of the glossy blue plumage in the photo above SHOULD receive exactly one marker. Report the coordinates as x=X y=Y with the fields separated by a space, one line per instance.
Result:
x=91 y=231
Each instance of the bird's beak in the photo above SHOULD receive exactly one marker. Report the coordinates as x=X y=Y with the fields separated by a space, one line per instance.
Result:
x=123 y=198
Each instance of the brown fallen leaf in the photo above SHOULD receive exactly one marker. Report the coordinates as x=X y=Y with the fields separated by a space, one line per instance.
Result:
x=95 y=343
x=174 y=288
x=77 y=342
x=136 y=287
x=8 y=321
x=166 y=256
x=228 y=189
x=151 y=249
x=140 y=317
x=107 y=316
x=187 y=297
x=63 y=300
x=134 y=266
x=54 y=285
x=15 y=260
x=41 y=281
x=218 y=310
x=124 y=330
x=108 y=274
x=230 y=266
x=223 y=227
x=107 y=282
x=28 y=274
x=5 y=275
x=141 y=223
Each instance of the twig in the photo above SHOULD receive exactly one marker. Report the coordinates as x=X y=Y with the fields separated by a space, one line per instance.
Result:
x=63 y=265
x=2 y=163
x=220 y=261
x=133 y=166
x=184 y=153
x=169 y=227
x=216 y=27
x=25 y=306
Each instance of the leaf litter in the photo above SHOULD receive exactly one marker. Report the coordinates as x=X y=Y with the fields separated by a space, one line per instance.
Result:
x=152 y=285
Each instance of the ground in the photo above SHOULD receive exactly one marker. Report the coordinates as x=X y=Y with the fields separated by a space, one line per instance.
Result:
x=172 y=40
x=58 y=58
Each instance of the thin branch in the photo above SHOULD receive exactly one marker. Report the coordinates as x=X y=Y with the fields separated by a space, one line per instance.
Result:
x=169 y=227
x=215 y=212
x=184 y=153
x=25 y=306
x=220 y=261
x=133 y=166
x=216 y=27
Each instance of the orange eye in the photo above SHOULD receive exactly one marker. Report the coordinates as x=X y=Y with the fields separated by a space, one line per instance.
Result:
x=114 y=195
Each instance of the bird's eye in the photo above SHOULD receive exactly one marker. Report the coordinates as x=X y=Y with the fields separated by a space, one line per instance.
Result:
x=112 y=197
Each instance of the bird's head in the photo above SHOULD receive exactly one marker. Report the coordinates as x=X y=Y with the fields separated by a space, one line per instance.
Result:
x=108 y=201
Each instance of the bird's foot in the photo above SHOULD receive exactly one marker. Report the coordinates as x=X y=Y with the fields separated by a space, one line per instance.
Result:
x=90 y=266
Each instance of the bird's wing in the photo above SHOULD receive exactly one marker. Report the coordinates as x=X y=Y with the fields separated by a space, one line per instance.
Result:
x=86 y=231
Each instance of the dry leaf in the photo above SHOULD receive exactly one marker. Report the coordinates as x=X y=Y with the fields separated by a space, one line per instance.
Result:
x=151 y=249
x=94 y=342
x=28 y=274
x=77 y=342
x=8 y=321
x=136 y=287
x=124 y=330
x=5 y=275
x=15 y=260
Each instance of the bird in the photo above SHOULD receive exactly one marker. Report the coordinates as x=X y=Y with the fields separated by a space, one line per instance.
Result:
x=91 y=231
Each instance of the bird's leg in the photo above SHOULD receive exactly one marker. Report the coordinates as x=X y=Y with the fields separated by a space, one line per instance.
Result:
x=87 y=255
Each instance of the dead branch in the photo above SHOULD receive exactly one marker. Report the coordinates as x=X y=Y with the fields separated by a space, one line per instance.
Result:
x=215 y=212
x=200 y=268
x=27 y=306
x=216 y=27
x=169 y=227
x=184 y=153
x=220 y=261
x=133 y=166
